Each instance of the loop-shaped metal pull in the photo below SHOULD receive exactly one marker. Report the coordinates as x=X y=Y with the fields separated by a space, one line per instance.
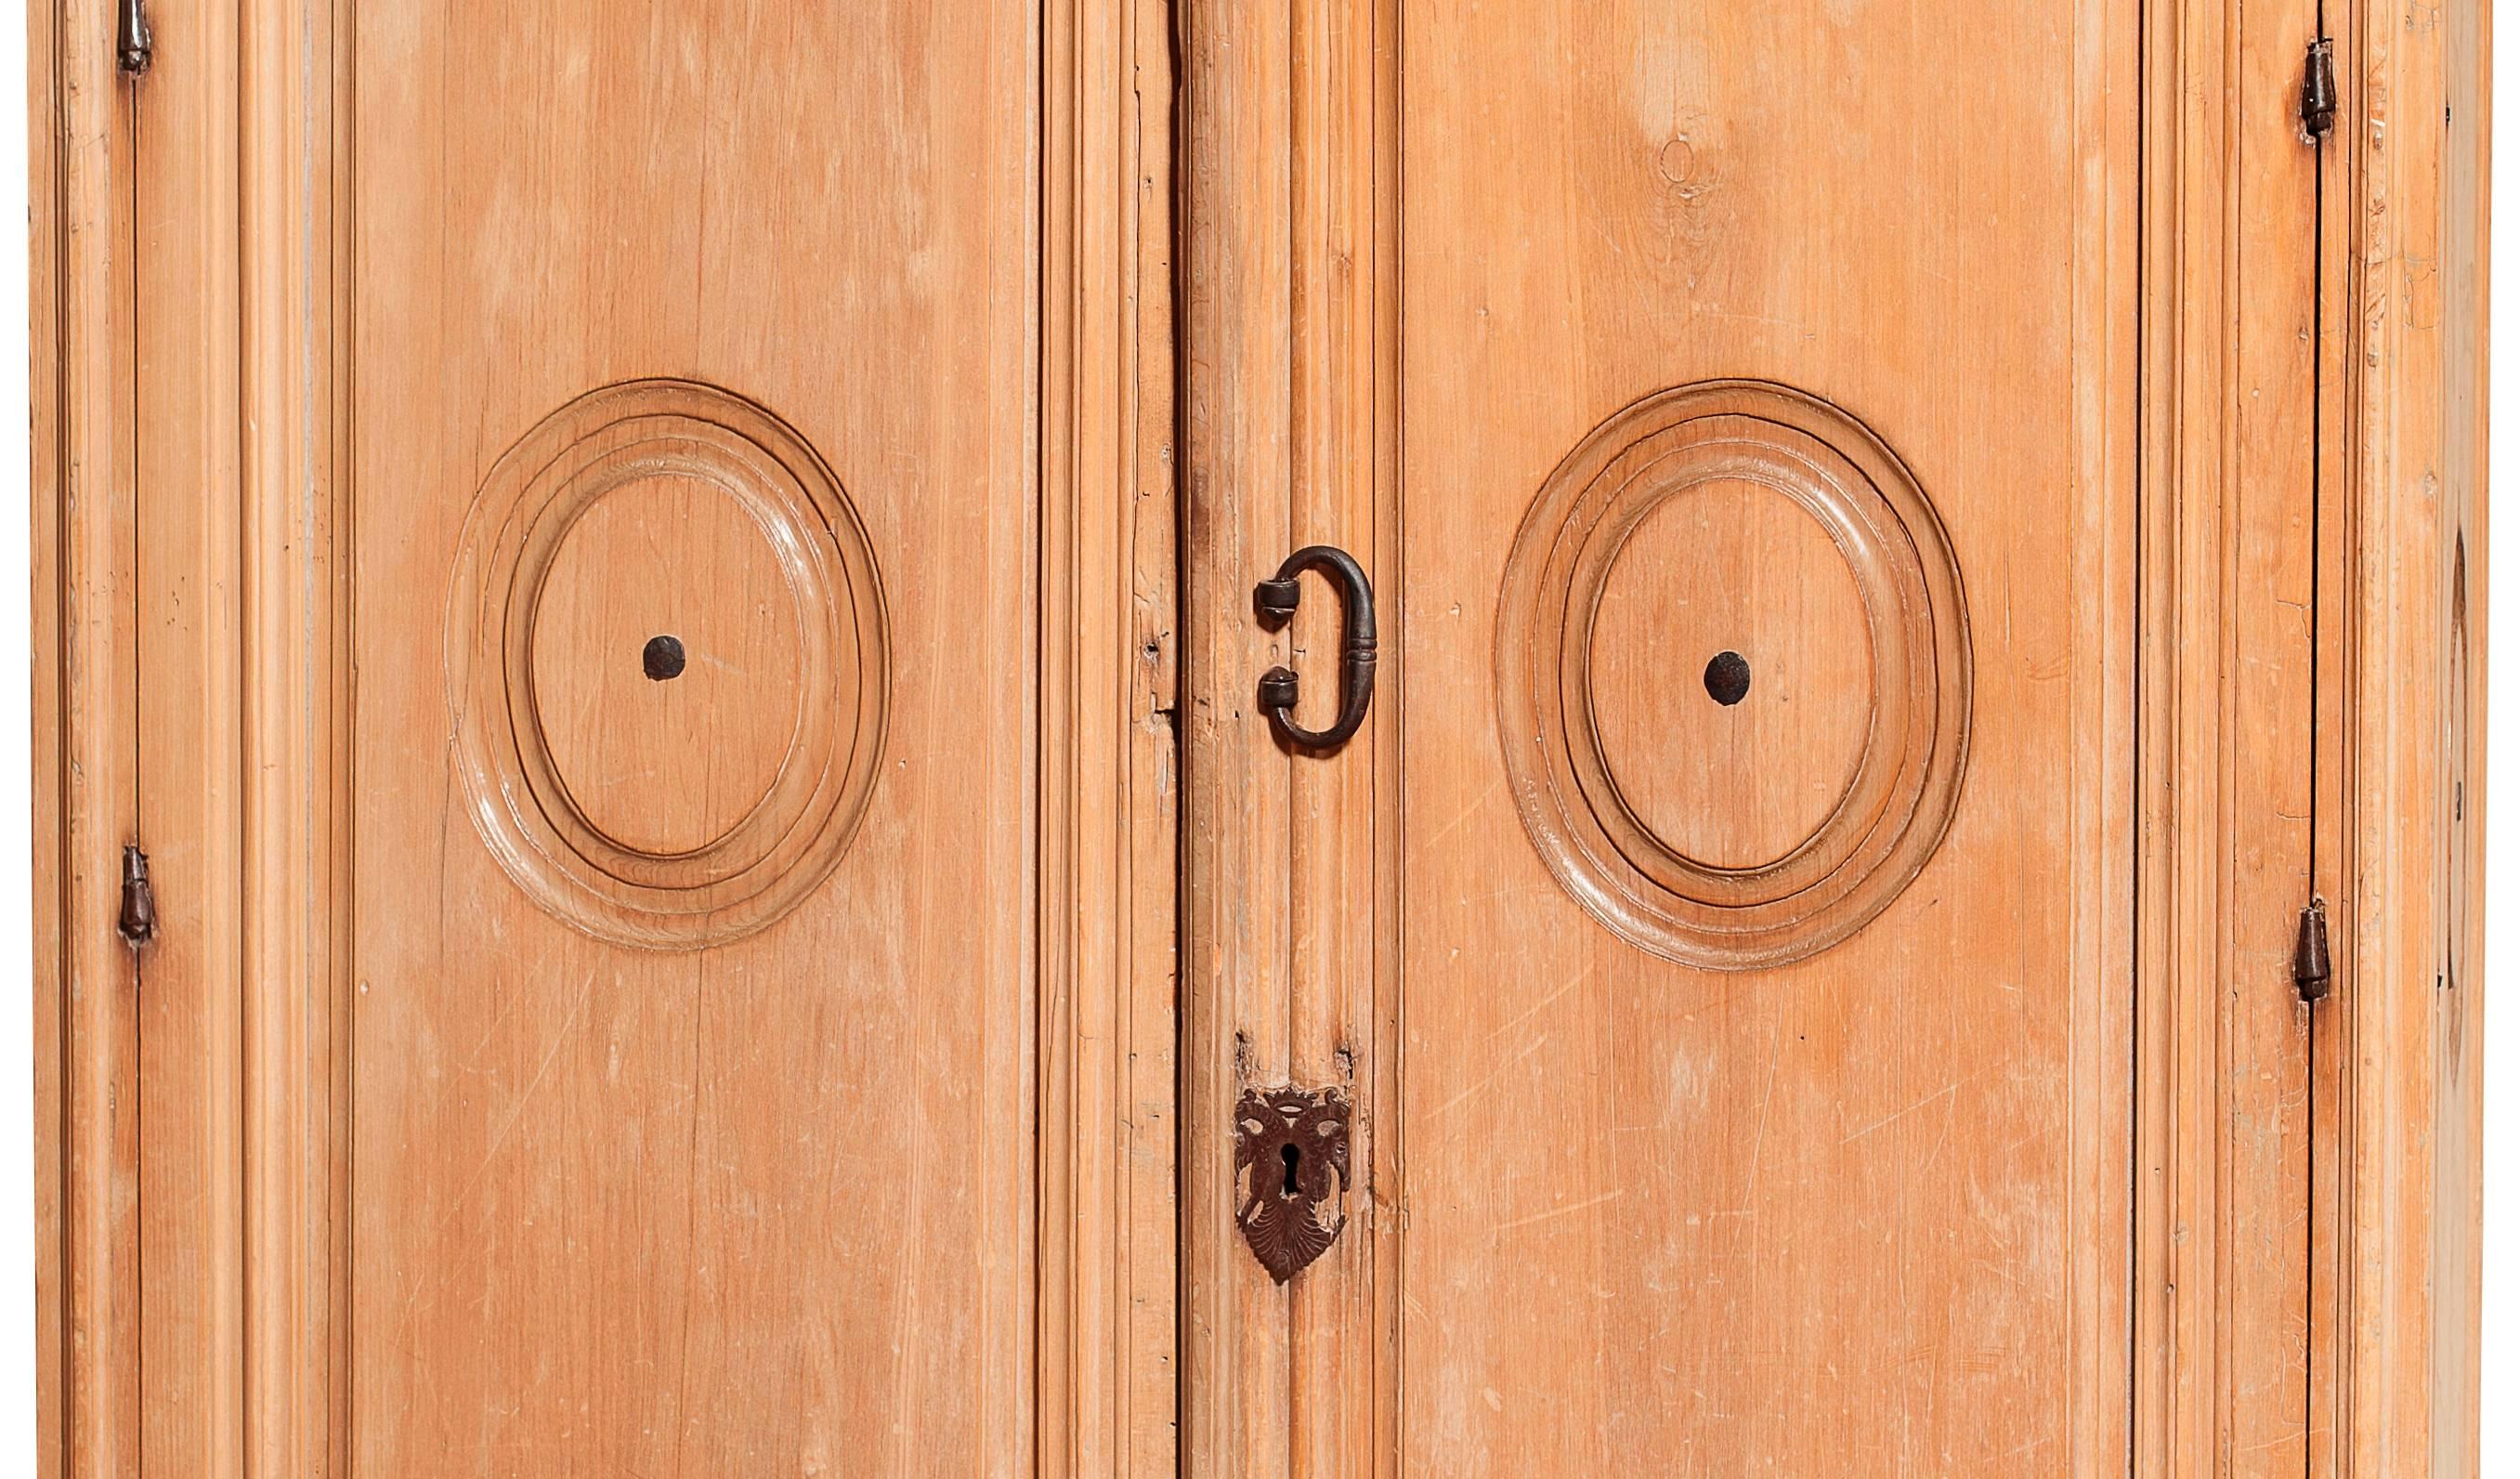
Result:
x=1276 y=599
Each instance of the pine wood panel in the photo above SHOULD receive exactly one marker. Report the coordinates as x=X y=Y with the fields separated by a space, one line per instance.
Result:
x=1109 y=1214
x=1830 y=1211
x=261 y=1203
x=2267 y=700
x=189 y=552
x=747 y=1205
x=2234 y=820
x=2402 y=1310
x=1237 y=524
x=206 y=426
x=1289 y=370
x=90 y=1401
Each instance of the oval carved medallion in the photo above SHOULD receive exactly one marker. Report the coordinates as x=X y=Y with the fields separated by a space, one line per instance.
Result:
x=1733 y=660
x=666 y=665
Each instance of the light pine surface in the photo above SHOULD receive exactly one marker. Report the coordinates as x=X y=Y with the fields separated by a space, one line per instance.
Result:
x=1836 y=1216
x=377 y=1162
x=740 y=1209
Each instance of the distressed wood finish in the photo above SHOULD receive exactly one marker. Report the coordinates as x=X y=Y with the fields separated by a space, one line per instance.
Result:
x=2223 y=1114
x=1289 y=329
x=2216 y=630
x=370 y=1164
x=404 y=282
x=1108 y=1368
x=736 y=1205
x=2396 y=1309
x=85 y=629
x=1839 y=1210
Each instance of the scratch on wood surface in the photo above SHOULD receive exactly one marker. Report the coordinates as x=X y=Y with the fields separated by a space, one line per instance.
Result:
x=525 y=1097
x=1944 y=1093
x=1536 y=1008
x=1489 y=1077
x=1465 y=813
x=1570 y=1210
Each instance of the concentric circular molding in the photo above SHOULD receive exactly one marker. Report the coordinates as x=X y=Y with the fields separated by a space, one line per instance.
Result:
x=1906 y=777
x=641 y=435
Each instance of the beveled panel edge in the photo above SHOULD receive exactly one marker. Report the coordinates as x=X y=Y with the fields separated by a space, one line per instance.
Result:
x=784 y=849
x=1106 y=1319
x=1865 y=855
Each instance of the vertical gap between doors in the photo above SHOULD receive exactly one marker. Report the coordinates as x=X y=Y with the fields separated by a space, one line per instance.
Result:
x=2318 y=533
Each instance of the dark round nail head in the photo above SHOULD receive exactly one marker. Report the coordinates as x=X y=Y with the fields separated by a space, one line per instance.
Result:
x=1727 y=678
x=663 y=657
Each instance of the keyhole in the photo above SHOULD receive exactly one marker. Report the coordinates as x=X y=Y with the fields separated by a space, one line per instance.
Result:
x=663 y=657
x=1727 y=678
x=1290 y=1155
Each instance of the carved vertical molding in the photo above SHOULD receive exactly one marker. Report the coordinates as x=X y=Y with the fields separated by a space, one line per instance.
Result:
x=293 y=154
x=2227 y=686
x=1289 y=317
x=1108 y=760
x=2401 y=1291
x=85 y=742
x=2178 y=907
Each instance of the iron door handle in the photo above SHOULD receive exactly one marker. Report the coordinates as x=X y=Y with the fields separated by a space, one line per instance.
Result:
x=1276 y=599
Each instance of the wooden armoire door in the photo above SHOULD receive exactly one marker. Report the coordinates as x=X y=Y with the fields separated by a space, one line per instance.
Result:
x=1329 y=738
x=592 y=603
x=1797 y=971
x=689 y=479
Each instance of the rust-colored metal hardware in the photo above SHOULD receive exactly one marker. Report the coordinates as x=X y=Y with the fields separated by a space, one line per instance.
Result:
x=134 y=48
x=662 y=658
x=2319 y=89
x=2309 y=967
x=138 y=922
x=1290 y=1165
x=1727 y=678
x=1276 y=599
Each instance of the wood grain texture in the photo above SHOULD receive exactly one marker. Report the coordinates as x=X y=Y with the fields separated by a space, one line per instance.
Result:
x=688 y=796
x=913 y=1147
x=2457 y=1248
x=742 y=1207
x=2229 y=707
x=1903 y=686
x=1829 y=1215
x=191 y=739
x=2401 y=1294
x=1734 y=563
x=90 y=1403
x=280 y=782
x=1287 y=331
x=2241 y=666
x=646 y=756
x=1108 y=1371
x=292 y=704
x=1248 y=434
x=2333 y=844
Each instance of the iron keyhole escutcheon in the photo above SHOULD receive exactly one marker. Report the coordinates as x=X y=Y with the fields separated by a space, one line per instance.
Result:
x=1290 y=1170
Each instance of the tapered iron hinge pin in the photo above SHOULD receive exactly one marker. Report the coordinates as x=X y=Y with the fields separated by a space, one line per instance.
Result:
x=138 y=922
x=133 y=47
x=2319 y=90
x=2310 y=967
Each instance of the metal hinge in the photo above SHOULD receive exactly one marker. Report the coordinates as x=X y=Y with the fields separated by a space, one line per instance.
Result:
x=2319 y=90
x=2310 y=967
x=138 y=922
x=134 y=48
